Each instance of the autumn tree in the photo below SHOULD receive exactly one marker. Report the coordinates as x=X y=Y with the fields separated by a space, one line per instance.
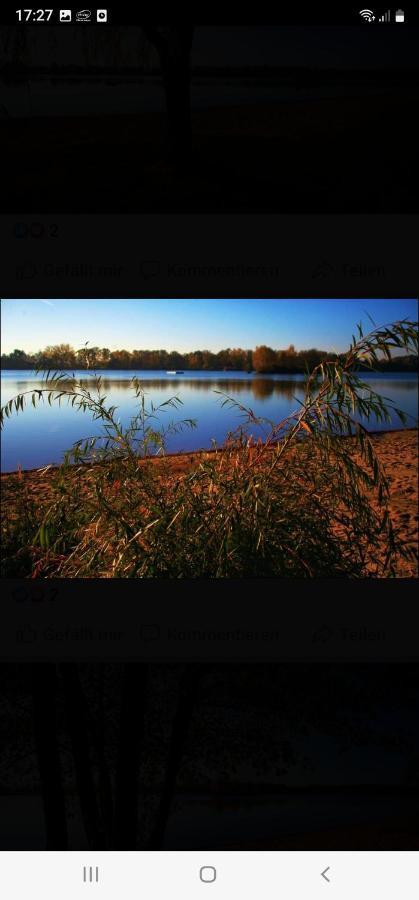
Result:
x=18 y=359
x=89 y=357
x=104 y=356
x=195 y=359
x=120 y=359
x=59 y=356
x=175 y=360
x=264 y=359
x=238 y=359
x=207 y=360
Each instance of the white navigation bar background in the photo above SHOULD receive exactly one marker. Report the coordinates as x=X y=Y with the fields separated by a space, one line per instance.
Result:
x=218 y=875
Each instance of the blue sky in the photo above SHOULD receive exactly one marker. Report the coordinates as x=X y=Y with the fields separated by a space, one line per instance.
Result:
x=192 y=324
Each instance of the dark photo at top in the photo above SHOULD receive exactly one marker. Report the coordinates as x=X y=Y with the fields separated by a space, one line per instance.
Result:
x=205 y=118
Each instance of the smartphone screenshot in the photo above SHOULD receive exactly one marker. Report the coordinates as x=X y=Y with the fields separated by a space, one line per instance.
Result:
x=209 y=670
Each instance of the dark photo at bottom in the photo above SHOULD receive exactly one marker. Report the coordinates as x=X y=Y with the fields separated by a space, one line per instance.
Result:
x=195 y=757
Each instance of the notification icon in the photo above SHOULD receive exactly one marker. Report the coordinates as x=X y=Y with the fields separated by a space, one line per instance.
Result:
x=65 y=15
x=102 y=15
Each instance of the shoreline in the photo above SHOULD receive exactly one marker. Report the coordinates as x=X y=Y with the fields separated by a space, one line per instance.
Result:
x=49 y=468
x=397 y=452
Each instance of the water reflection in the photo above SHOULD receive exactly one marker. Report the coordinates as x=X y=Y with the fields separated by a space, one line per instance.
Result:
x=38 y=437
x=258 y=387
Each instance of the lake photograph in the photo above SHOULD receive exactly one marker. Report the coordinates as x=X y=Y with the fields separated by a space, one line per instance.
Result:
x=209 y=438
x=209 y=118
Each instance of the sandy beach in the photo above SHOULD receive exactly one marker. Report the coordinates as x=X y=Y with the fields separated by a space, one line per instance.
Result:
x=397 y=452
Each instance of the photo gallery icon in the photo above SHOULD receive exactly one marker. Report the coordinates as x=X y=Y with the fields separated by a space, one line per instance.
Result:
x=65 y=15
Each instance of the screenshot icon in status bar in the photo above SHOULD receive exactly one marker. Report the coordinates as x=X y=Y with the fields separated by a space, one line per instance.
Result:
x=69 y=16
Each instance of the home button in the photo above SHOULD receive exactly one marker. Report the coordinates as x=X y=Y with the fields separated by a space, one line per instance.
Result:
x=208 y=874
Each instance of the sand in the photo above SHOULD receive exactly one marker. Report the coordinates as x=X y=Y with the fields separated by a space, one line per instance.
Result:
x=398 y=453
x=396 y=450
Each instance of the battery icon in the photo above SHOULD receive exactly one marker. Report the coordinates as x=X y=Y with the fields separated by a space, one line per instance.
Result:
x=399 y=15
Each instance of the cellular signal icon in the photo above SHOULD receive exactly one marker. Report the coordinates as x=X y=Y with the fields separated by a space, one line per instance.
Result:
x=386 y=17
x=367 y=15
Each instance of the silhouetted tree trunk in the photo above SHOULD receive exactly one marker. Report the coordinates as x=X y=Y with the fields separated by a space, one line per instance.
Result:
x=77 y=724
x=44 y=693
x=173 y=44
x=190 y=685
x=97 y=730
x=132 y=717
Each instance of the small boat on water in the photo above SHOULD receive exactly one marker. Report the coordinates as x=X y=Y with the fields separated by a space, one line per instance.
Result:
x=175 y=372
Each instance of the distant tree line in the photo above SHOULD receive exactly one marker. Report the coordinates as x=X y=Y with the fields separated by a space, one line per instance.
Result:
x=263 y=359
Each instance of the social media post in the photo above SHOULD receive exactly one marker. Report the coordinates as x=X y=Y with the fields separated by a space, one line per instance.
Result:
x=201 y=256
x=209 y=454
x=203 y=763
x=311 y=115
x=248 y=442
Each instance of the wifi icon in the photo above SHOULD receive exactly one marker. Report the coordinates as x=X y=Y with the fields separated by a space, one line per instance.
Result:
x=367 y=14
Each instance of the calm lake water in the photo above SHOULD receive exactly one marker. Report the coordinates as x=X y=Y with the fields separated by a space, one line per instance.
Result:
x=40 y=436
